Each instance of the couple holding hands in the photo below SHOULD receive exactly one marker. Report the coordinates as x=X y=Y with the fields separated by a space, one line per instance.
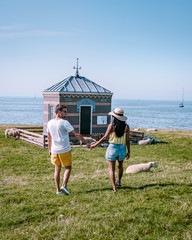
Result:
x=60 y=150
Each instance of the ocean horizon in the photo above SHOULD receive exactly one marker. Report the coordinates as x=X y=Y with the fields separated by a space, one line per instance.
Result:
x=165 y=114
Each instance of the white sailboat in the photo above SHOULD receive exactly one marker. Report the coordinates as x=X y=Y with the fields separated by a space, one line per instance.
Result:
x=182 y=102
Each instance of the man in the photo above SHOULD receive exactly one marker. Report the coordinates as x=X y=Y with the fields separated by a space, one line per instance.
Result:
x=59 y=146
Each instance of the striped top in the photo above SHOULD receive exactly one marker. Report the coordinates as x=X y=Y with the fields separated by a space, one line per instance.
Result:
x=117 y=140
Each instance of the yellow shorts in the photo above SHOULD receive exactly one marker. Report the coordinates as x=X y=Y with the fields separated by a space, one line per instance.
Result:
x=62 y=158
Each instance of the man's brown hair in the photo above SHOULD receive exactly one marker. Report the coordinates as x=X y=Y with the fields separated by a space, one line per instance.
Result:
x=60 y=107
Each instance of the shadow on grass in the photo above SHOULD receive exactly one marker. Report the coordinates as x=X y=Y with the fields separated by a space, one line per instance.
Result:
x=138 y=188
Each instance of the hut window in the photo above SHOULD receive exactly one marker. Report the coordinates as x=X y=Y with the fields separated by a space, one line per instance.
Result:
x=101 y=120
x=50 y=112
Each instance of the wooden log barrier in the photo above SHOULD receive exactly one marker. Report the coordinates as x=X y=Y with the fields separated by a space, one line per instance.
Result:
x=135 y=136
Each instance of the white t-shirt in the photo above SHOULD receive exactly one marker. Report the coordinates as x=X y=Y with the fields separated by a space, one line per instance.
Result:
x=59 y=130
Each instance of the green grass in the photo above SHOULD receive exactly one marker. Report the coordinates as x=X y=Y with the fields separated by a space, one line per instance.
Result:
x=152 y=206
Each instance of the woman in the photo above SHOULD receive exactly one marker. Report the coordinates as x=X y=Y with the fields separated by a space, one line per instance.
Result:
x=118 y=134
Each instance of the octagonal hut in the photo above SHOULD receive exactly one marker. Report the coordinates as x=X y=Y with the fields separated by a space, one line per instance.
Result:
x=87 y=104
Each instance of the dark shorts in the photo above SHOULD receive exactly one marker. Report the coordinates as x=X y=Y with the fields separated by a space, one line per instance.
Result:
x=116 y=152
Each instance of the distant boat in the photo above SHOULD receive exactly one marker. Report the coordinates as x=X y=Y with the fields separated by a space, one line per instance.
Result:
x=181 y=105
x=182 y=102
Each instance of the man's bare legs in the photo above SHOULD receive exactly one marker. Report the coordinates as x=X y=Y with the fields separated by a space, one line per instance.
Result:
x=66 y=176
x=112 y=174
x=120 y=172
x=57 y=176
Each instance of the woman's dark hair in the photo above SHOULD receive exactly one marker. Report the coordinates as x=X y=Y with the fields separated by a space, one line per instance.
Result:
x=119 y=127
x=60 y=107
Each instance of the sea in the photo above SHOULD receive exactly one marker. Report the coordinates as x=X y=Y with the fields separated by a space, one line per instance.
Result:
x=140 y=113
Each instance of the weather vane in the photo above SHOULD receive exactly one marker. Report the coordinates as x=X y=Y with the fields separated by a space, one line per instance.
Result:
x=77 y=69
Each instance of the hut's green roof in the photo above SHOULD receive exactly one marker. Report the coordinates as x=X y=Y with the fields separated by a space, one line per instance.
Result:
x=77 y=84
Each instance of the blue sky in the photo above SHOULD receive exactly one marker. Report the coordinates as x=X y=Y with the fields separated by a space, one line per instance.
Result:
x=138 y=49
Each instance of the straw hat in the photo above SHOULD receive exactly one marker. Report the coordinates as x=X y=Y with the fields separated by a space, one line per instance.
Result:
x=118 y=113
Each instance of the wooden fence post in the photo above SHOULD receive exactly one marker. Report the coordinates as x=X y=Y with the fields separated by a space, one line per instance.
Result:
x=44 y=141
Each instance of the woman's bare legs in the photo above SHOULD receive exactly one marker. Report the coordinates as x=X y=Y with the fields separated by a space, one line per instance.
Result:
x=112 y=174
x=120 y=172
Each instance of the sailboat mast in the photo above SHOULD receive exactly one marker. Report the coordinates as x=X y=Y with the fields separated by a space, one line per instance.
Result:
x=183 y=96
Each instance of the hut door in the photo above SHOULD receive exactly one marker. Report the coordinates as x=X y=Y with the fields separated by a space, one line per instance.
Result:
x=85 y=120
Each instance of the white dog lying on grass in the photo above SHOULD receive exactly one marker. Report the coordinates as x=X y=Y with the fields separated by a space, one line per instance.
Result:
x=144 y=167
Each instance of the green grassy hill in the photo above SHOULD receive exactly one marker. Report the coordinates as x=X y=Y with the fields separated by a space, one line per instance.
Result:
x=155 y=205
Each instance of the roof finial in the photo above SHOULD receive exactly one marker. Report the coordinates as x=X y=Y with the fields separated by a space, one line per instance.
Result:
x=77 y=68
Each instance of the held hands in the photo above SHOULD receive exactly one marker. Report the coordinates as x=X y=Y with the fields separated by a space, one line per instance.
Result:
x=92 y=146
x=88 y=145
